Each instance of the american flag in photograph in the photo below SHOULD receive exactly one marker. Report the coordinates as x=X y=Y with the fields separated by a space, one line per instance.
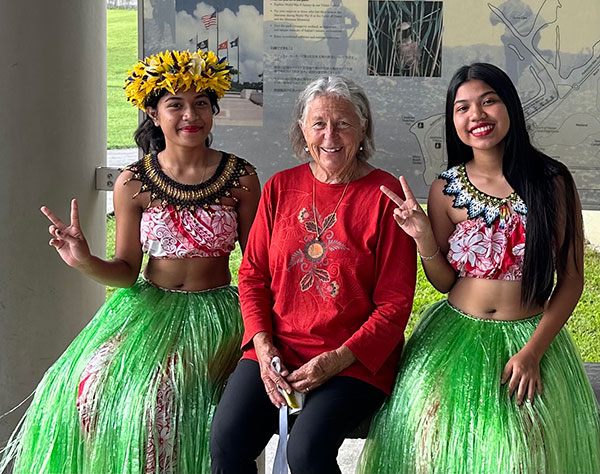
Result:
x=209 y=20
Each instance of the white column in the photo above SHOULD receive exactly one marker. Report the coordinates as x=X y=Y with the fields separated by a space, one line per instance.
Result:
x=52 y=136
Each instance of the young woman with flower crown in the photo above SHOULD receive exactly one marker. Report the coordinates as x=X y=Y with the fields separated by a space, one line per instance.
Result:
x=491 y=381
x=136 y=390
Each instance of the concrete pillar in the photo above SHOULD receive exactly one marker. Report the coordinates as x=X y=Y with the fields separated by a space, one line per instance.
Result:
x=52 y=136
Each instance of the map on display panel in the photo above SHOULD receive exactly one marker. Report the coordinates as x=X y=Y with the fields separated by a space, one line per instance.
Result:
x=560 y=93
x=403 y=52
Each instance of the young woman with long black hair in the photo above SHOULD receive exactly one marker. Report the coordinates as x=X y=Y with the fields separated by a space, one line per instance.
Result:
x=490 y=380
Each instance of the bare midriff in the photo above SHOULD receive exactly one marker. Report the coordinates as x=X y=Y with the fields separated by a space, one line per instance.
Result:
x=189 y=274
x=490 y=299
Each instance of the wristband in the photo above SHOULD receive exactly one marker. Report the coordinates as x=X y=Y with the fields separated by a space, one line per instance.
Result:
x=426 y=258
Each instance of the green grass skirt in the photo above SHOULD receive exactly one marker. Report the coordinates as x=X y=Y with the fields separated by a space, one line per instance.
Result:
x=165 y=349
x=449 y=413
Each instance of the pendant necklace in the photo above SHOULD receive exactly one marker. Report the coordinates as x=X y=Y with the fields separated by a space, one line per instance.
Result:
x=331 y=219
x=315 y=248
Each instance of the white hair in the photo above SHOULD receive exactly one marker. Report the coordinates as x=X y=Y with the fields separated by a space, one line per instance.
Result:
x=338 y=86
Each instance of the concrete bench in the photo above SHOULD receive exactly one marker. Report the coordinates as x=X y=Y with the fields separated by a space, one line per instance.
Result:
x=593 y=372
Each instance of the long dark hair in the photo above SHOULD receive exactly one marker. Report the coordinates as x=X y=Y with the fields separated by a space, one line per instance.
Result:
x=151 y=138
x=532 y=174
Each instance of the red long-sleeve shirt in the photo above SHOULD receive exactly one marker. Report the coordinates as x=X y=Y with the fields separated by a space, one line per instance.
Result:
x=354 y=286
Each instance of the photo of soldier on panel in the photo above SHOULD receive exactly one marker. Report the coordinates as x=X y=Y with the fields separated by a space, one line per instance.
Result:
x=405 y=38
x=159 y=25
x=339 y=24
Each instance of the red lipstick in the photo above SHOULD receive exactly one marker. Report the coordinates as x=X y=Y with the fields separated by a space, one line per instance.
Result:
x=190 y=129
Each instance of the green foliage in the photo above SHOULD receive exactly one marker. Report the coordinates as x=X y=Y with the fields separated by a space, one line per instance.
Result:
x=425 y=295
x=110 y=236
x=110 y=245
x=235 y=260
x=584 y=324
x=121 y=56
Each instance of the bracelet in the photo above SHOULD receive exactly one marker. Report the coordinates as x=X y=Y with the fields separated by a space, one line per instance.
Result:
x=426 y=258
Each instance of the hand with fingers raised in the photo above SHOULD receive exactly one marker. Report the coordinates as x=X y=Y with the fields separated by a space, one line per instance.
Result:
x=265 y=352
x=68 y=241
x=409 y=214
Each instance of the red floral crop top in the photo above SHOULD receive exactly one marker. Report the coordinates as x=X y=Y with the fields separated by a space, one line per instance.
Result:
x=490 y=243
x=168 y=233
x=190 y=220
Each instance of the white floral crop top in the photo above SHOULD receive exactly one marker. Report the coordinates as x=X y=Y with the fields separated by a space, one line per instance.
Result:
x=490 y=243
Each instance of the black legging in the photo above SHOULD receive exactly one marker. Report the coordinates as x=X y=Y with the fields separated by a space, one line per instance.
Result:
x=246 y=419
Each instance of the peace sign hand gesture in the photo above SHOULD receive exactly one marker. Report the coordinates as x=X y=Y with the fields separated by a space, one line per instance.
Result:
x=408 y=215
x=69 y=241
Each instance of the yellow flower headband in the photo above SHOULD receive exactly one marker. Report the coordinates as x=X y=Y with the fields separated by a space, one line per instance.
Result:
x=177 y=70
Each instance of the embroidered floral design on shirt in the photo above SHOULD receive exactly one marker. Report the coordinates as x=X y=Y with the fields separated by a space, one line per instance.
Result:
x=312 y=257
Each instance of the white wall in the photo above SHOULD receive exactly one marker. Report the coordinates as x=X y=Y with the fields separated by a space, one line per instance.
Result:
x=52 y=135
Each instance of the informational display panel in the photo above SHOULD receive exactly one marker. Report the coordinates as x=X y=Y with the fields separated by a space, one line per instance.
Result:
x=403 y=53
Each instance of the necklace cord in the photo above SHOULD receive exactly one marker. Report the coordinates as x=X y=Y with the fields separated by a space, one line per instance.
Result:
x=318 y=230
x=176 y=179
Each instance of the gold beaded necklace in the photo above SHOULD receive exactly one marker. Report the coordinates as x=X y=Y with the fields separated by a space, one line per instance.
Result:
x=167 y=191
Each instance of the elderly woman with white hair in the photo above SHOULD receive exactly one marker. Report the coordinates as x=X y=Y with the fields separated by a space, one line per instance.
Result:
x=326 y=289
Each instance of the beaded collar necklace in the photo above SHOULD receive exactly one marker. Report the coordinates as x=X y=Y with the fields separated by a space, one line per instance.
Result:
x=161 y=187
x=478 y=203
